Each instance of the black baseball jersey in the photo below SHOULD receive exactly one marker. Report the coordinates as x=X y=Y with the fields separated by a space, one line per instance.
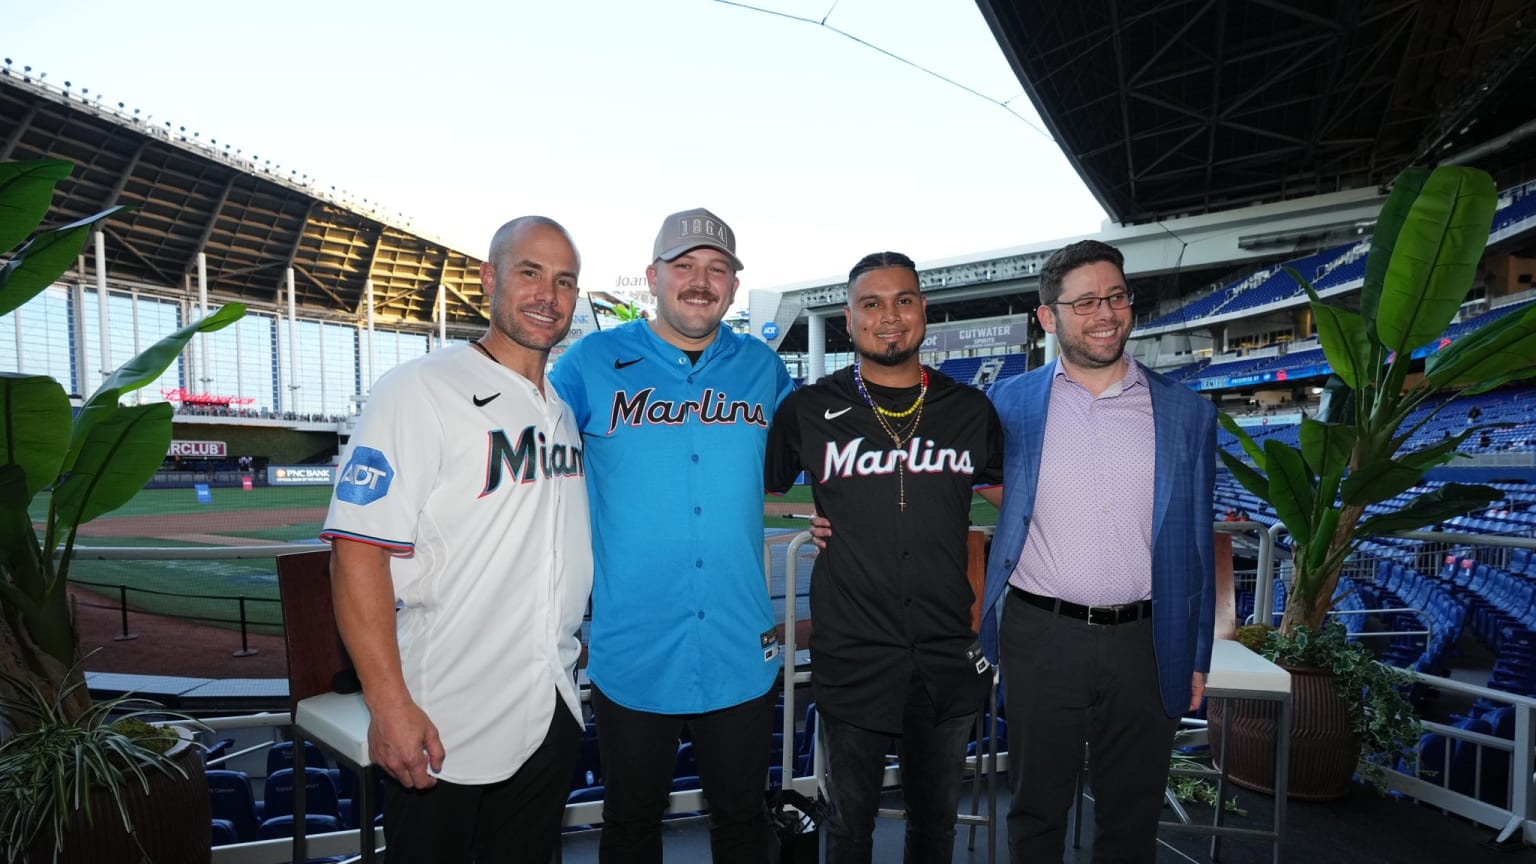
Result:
x=889 y=593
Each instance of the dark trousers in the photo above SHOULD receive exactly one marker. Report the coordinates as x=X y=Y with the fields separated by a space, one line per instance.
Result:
x=1069 y=682
x=515 y=820
x=639 y=750
x=932 y=757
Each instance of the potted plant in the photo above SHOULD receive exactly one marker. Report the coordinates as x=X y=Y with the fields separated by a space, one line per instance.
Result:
x=113 y=784
x=92 y=462
x=1423 y=258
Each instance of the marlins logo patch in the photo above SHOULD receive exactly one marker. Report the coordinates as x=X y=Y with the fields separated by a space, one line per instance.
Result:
x=366 y=477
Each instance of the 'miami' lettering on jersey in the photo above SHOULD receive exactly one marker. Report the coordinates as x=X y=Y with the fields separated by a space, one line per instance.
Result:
x=531 y=457
x=712 y=408
x=919 y=455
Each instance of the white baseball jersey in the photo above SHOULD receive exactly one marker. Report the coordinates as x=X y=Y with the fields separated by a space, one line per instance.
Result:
x=476 y=482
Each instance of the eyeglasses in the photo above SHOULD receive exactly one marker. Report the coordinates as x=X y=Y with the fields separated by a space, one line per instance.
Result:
x=1090 y=305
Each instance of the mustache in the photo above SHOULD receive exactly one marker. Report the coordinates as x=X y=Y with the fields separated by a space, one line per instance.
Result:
x=700 y=294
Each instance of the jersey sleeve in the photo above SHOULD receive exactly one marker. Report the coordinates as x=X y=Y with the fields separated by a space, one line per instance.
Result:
x=991 y=471
x=388 y=467
x=566 y=376
x=783 y=384
x=781 y=461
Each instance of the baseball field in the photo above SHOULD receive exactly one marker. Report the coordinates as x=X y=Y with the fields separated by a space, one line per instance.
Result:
x=210 y=591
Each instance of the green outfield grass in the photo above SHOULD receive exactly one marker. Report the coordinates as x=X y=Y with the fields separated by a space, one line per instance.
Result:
x=210 y=590
x=295 y=533
x=205 y=590
x=166 y=502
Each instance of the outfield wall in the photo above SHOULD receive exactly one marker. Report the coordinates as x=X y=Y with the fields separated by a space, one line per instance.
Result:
x=278 y=446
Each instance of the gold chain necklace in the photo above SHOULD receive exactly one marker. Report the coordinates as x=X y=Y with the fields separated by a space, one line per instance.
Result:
x=899 y=438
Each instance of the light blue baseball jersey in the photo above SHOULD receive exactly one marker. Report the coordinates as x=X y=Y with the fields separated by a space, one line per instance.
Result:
x=681 y=621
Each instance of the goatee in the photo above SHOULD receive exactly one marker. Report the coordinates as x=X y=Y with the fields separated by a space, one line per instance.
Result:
x=893 y=356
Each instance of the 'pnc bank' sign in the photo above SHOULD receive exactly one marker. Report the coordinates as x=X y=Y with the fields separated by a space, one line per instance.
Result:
x=198 y=449
x=301 y=475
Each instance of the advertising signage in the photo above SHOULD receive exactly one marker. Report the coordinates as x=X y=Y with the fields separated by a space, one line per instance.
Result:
x=967 y=335
x=301 y=475
x=198 y=449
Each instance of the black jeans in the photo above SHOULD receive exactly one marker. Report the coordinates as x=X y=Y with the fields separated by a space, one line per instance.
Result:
x=515 y=820
x=639 y=750
x=932 y=757
x=1070 y=682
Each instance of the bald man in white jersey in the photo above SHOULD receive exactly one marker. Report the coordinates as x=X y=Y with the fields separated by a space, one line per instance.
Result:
x=463 y=500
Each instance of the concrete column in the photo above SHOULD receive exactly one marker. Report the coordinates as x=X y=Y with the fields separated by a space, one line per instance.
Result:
x=102 y=323
x=442 y=316
x=293 y=339
x=77 y=323
x=816 y=347
x=368 y=346
x=202 y=312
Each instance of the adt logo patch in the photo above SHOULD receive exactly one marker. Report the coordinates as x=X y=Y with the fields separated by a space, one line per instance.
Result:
x=366 y=477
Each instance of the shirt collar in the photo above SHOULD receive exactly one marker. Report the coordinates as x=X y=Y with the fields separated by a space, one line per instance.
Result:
x=1133 y=377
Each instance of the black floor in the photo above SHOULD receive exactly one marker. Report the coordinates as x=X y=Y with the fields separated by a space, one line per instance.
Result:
x=1363 y=828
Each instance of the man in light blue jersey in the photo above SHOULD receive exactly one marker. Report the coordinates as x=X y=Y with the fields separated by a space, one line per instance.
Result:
x=674 y=414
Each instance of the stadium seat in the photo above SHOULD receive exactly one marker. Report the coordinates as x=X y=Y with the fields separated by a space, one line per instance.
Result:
x=320 y=792
x=685 y=765
x=217 y=749
x=1464 y=757
x=231 y=799
x=584 y=796
x=280 y=827
x=280 y=757
x=350 y=795
x=224 y=833
x=589 y=761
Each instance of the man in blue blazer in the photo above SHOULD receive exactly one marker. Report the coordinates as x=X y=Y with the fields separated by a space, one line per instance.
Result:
x=1103 y=552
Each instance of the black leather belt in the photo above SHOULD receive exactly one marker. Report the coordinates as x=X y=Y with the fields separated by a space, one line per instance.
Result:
x=1103 y=615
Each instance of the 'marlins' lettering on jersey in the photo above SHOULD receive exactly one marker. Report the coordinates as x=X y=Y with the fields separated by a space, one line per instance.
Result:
x=532 y=456
x=712 y=408
x=919 y=455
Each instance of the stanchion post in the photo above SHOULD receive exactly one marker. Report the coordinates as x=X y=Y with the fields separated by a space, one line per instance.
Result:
x=245 y=641
x=122 y=608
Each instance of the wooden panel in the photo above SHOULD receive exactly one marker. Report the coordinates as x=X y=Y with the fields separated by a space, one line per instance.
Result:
x=976 y=571
x=1226 y=596
x=315 y=652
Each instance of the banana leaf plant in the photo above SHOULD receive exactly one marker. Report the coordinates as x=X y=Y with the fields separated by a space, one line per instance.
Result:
x=1423 y=260
x=93 y=461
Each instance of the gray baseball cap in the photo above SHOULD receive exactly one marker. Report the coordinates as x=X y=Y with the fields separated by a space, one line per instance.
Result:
x=691 y=229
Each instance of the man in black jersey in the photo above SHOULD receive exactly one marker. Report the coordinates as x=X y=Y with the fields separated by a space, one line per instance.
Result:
x=894 y=450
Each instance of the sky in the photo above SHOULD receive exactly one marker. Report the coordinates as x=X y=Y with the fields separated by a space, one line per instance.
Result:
x=606 y=115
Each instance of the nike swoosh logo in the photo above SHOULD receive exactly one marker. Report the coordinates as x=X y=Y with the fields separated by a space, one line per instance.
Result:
x=620 y=364
x=481 y=403
x=833 y=415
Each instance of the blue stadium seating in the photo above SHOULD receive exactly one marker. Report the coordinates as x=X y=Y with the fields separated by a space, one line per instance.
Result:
x=231 y=799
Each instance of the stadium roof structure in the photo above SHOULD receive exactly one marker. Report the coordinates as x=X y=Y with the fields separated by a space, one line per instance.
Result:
x=1178 y=107
x=253 y=220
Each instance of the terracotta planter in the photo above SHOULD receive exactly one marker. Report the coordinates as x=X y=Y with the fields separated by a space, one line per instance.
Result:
x=1324 y=751
x=171 y=820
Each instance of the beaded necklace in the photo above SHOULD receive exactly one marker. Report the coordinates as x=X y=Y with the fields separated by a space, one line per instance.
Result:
x=899 y=437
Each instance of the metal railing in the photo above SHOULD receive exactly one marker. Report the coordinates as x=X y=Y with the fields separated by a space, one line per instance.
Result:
x=1430 y=784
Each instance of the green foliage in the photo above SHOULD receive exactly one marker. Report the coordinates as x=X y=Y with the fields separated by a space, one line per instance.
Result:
x=94 y=461
x=1382 y=718
x=1429 y=238
x=48 y=773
